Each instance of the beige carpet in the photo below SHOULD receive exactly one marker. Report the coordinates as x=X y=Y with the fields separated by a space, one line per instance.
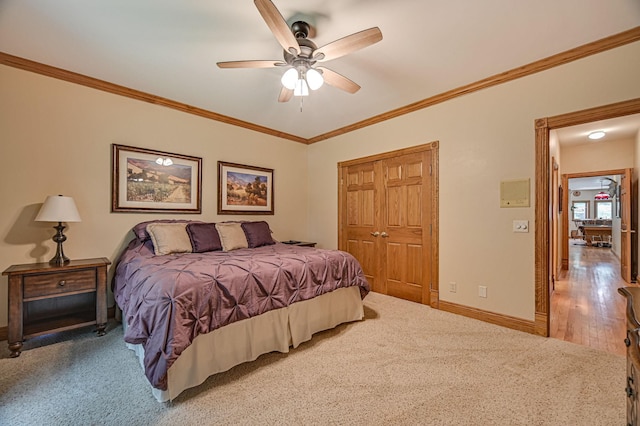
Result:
x=404 y=364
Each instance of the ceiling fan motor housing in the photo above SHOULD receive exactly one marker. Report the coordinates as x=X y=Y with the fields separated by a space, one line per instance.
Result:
x=300 y=29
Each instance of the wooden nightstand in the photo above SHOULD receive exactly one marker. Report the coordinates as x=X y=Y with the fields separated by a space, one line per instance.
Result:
x=299 y=243
x=46 y=298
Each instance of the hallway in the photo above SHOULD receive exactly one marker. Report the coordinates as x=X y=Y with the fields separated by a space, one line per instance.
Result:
x=586 y=307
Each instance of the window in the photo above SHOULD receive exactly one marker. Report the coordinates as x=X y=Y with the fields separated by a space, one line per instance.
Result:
x=580 y=210
x=604 y=209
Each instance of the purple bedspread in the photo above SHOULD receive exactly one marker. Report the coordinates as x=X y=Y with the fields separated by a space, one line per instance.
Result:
x=169 y=300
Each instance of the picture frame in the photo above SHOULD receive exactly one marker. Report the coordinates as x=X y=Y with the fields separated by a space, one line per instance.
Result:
x=149 y=181
x=237 y=193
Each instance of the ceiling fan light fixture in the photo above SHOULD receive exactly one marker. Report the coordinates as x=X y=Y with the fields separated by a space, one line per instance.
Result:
x=314 y=79
x=290 y=78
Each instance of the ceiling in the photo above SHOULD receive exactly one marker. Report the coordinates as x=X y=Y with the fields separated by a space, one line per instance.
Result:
x=169 y=48
x=596 y=183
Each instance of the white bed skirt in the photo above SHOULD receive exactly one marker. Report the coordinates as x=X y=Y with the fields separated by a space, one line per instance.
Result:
x=246 y=340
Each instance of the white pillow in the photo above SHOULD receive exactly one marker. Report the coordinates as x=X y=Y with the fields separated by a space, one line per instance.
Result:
x=232 y=236
x=169 y=238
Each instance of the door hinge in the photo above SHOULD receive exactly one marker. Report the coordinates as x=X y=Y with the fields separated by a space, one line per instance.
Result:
x=430 y=170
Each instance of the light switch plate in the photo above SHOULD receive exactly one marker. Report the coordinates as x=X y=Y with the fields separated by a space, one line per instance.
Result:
x=520 y=226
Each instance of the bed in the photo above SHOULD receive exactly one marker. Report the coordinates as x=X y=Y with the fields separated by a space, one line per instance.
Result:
x=200 y=298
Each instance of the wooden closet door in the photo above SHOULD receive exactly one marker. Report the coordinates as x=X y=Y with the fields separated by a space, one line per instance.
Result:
x=386 y=219
x=360 y=218
x=406 y=257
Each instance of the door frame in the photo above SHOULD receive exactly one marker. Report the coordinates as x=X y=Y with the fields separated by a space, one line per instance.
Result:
x=544 y=192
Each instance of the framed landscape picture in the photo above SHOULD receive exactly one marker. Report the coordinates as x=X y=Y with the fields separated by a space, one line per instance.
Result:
x=145 y=180
x=244 y=189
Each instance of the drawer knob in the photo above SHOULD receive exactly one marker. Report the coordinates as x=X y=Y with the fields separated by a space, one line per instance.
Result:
x=61 y=283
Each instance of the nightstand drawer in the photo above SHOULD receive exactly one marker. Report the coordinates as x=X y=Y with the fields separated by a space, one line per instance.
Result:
x=61 y=282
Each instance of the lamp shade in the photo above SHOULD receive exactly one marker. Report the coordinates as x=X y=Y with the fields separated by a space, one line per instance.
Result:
x=290 y=78
x=58 y=208
x=314 y=79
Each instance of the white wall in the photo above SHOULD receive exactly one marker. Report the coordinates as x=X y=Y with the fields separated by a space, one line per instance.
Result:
x=593 y=157
x=56 y=139
x=485 y=137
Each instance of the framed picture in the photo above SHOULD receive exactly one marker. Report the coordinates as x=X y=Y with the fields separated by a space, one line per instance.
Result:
x=244 y=189
x=144 y=180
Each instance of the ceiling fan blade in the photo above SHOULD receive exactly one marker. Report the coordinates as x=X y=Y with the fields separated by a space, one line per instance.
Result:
x=278 y=26
x=285 y=95
x=251 y=64
x=348 y=44
x=338 y=80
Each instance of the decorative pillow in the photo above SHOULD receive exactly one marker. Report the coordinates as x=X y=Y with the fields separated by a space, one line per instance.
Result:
x=169 y=238
x=231 y=236
x=204 y=237
x=140 y=230
x=258 y=233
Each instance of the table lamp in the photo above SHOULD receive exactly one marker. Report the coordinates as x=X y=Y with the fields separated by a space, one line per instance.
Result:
x=58 y=208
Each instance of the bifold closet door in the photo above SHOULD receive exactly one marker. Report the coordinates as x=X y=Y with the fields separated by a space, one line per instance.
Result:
x=385 y=223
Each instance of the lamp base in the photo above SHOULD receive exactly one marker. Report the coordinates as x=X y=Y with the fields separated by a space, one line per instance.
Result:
x=59 y=258
x=59 y=261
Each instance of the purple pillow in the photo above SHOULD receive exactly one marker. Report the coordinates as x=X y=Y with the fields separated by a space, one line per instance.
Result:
x=140 y=230
x=204 y=237
x=258 y=233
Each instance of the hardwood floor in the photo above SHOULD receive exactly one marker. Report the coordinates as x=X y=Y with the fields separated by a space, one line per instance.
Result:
x=586 y=307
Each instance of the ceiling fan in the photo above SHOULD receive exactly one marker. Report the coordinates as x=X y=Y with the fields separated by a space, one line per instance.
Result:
x=301 y=55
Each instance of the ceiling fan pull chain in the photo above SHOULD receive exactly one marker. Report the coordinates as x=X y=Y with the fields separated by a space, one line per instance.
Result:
x=301 y=102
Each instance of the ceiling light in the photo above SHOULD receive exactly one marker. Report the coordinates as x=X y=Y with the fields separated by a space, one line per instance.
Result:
x=314 y=79
x=597 y=135
x=300 y=80
x=290 y=78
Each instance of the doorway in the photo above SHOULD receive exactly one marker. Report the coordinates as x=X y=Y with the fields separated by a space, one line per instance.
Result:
x=544 y=196
x=586 y=218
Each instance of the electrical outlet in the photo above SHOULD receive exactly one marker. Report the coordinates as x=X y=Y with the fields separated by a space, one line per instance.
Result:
x=482 y=291
x=453 y=287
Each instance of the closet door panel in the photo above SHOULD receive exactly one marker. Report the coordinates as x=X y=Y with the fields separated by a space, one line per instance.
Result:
x=403 y=222
x=361 y=210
